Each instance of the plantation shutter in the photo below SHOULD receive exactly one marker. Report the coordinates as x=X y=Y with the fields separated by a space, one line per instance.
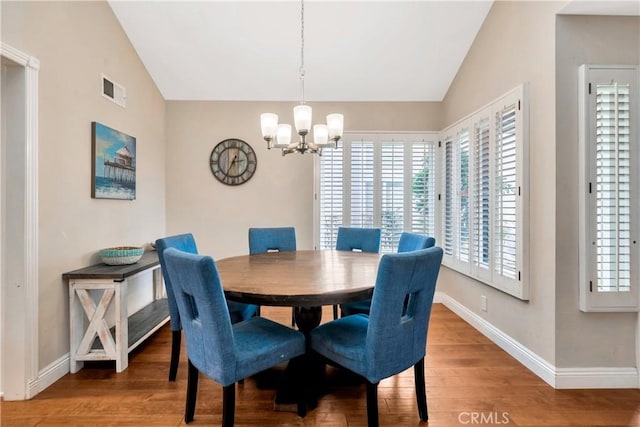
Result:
x=448 y=223
x=392 y=194
x=610 y=151
x=462 y=199
x=330 y=196
x=506 y=191
x=481 y=196
x=423 y=188
x=362 y=184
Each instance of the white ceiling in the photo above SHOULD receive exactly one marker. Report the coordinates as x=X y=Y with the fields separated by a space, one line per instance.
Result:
x=354 y=50
x=358 y=50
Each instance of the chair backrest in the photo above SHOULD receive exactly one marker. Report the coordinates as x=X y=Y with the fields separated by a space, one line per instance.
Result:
x=397 y=335
x=359 y=239
x=281 y=239
x=414 y=242
x=203 y=309
x=182 y=242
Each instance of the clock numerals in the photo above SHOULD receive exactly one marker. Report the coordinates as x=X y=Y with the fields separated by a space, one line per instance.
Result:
x=233 y=162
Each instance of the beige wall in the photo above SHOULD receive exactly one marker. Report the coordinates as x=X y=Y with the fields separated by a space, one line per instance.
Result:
x=76 y=42
x=585 y=339
x=516 y=44
x=281 y=191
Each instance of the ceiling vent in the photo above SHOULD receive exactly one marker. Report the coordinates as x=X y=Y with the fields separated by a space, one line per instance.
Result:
x=114 y=91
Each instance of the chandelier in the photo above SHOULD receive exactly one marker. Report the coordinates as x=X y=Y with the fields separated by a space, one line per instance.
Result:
x=279 y=135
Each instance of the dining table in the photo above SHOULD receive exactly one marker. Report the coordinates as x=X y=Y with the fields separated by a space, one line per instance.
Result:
x=305 y=280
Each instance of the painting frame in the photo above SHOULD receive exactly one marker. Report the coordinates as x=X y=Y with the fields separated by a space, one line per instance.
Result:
x=113 y=163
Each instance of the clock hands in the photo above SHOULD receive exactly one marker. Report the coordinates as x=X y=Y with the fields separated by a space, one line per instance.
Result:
x=235 y=159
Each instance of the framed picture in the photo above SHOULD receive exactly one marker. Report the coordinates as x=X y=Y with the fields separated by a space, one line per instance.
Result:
x=113 y=171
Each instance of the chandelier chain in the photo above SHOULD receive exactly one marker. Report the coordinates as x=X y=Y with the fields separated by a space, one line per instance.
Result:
x=302 y=48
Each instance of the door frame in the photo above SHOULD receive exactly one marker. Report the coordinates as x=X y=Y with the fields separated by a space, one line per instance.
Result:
x=24 y=350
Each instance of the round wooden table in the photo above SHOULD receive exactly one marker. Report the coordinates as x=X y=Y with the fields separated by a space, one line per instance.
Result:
x=300 y=278
x=305 y=280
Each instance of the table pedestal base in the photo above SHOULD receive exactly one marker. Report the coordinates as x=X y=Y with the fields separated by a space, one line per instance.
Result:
x=298 y=391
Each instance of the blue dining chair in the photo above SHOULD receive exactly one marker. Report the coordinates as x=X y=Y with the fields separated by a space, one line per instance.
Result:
x=238 y=311
x=276 y=239
x=223 y=351
x=357 y=239
x=393 y=337
x=273 y=239
x=408 y=242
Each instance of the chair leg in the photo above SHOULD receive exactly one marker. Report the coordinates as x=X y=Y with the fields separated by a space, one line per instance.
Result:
x=192 y=393
x=176 y=337
x=421 y=393
x=372 y=404
x=293 y=316
x=228 y=405
x=335 y=311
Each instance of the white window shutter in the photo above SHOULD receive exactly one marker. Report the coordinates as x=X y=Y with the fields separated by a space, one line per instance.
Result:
x=608 y=188
x=423 y=187
x=391 y=194
x=481 y=198
x=330 y=198
x=448 y=198
x=361 y=189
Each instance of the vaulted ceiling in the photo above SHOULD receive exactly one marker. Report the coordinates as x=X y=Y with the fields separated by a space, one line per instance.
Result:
x=354 y=50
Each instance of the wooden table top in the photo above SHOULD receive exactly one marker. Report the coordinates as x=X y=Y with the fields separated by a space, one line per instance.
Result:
x=300 y=278
x=115 y=272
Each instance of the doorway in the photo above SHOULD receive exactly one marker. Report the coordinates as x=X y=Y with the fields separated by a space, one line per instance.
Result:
x=18 y=224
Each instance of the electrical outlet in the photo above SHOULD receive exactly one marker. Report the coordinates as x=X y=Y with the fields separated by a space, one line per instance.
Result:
x=483 y=303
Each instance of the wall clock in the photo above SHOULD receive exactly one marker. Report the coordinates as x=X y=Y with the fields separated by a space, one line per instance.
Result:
x=233 y=162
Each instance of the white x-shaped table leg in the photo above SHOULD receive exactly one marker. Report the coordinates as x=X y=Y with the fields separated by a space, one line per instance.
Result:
x=97 y=323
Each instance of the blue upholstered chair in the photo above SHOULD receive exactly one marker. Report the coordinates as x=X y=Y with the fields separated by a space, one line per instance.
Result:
x=279 y=239
x=272 y=239
x=408 y=242
x=414 y=242
x=394 y=336
x=237 y=311
x=357 y=239
x=224 y=352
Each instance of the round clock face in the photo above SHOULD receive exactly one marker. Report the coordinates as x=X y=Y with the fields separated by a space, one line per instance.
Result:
x=233 y=162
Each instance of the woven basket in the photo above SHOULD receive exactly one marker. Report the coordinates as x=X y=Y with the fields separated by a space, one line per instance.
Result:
x=121 y=255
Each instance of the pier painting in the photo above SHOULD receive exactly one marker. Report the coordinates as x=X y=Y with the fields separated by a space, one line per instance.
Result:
x=114 y=163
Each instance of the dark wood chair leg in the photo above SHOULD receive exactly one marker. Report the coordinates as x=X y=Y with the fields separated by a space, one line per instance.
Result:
x=192 y=393
x=228 y=405
x=293 y=316
x=335 y=311
x=421 y=393
x=372 y=404
x=176 y=337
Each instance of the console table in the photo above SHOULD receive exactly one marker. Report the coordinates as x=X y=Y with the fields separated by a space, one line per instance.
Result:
x=110 y=283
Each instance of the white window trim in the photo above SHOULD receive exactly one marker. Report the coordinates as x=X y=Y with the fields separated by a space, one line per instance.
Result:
x=591 y=300
x=377 y=137
x=520 y=286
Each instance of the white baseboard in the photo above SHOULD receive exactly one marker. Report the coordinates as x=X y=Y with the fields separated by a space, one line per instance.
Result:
x=597 y=378
x=560 y=378
x=48 y=376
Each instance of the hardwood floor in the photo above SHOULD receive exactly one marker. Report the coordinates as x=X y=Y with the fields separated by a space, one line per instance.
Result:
x=470 y=381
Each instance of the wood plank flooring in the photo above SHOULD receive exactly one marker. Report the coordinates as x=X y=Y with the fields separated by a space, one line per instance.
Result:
x=470 y=381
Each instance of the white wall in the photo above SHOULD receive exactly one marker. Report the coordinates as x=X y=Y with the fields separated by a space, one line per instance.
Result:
x=516 y=44
x=280 y=192
x=76 y=42
x=585 y=339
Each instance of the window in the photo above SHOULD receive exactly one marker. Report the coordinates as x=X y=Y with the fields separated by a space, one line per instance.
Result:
x=608 y=188
x=484 y=195
x=380 y=180
x=467 y=186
